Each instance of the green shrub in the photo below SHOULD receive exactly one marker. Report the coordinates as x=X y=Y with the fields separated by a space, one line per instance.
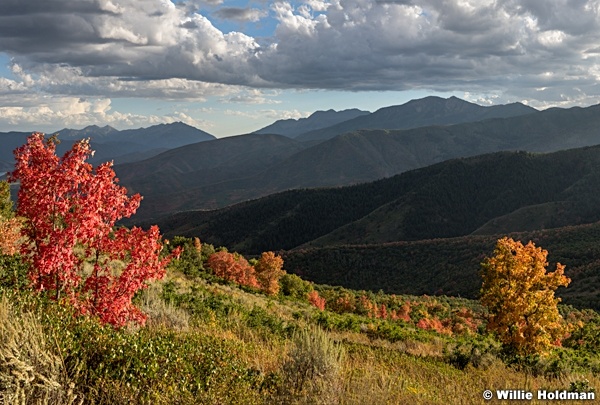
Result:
x=190 y=260
x=293 y=286
x=479 y=353
x=13 y=272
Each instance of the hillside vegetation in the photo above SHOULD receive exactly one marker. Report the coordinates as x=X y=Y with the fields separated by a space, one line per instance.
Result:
x=96 y=313
x=202 y=164
x=211 y=342
x=450 y=266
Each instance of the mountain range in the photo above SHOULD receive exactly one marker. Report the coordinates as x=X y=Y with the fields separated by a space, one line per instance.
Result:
x=425 y=231
x=351 y=158
x=420 y=113
x=110 y=143
x=409 y=207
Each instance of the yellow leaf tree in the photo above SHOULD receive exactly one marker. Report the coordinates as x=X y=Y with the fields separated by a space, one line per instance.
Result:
x=519 y=296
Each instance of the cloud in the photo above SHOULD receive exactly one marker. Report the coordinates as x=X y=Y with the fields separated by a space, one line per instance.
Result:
x=253 y=96
x=157 y=48
x=284 y=114
x=476 y=46
x=53 y=113
x=131 y=39
x=241 y=14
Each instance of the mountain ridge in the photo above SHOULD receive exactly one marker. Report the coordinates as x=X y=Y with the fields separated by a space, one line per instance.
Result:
x=449 y=199
x=110 y=143
x=317 y=120
x=426 y=111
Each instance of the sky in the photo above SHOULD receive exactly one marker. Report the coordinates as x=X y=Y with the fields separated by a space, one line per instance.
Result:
x=233 y=66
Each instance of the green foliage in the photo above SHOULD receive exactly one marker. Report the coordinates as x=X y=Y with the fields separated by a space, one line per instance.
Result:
x=190 y=261
x=480 y=352
x=293 y=286
x=259 y=318
x=150 y=365
x=13 y=272
x=581 y=386
x=586 y=338
x=6 y=204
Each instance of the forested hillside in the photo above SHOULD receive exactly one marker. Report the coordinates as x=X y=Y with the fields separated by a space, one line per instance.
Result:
x=450 y=266
x=173 y=173
x=484 y=194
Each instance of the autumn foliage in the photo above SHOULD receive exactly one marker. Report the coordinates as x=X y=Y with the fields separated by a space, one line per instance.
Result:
x=75 y=251
x=10 y=235
x=316 y=300
x=269 y=271
x=519 y=295
x=233 y=267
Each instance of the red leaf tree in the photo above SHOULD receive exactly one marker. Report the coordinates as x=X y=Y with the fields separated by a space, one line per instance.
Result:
x=75 y=251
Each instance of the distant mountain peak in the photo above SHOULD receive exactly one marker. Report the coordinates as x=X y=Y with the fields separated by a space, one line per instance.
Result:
x=106 y=128
x=179 y=124
x=317 y=120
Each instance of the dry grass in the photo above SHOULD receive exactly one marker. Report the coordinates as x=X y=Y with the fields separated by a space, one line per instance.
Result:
x=381 y=376
x=160 y=312
x=30 y=373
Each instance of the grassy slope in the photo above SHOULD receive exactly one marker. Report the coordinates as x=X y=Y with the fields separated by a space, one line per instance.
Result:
x=216 y=344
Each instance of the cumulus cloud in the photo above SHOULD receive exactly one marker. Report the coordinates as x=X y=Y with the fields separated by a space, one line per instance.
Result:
x=472 y=45
x=524 y=50
x=131 y=39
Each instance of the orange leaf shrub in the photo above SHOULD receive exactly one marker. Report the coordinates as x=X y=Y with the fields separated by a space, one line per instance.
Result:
x=268 y=272
x=233 y=267
x=316 y=300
